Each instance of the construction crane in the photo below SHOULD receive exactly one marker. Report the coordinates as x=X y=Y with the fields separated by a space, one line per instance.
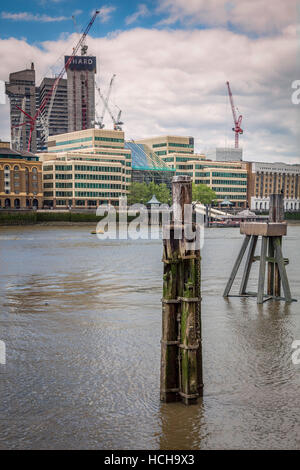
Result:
x=116 y=121
x=236 y=120
x=105 y=100
x=84 y=47
x=16 y=134
x=97 y=121
x=119 y=117
x=32 y=119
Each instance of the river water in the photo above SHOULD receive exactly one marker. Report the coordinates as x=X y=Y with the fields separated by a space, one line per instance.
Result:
x=81 y=319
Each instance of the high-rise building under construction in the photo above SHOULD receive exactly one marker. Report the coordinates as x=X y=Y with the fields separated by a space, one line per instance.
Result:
x=22 y=92
x=57 y=121
x=72 y=108
x=81 y=92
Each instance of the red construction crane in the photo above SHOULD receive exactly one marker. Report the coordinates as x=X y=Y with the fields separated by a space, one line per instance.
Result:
x=32 y=119
x=237 y=121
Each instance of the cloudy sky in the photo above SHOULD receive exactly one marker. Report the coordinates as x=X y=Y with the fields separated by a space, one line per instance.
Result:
x=172 y=59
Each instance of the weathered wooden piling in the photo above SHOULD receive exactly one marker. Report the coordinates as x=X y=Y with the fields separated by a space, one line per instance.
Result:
x=169 y=387
x=271 y=253
x=181 y=352
x=276 y=208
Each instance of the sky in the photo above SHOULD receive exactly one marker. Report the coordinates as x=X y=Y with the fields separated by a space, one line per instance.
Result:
x=172 y=59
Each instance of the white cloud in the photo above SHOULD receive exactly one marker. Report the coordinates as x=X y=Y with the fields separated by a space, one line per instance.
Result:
x=105 y=13
x=174 y=82
x=25 y=16
x=259 y=16
x=77 y=12
x=141 y=12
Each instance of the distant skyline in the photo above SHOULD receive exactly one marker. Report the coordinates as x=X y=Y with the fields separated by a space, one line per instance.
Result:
x=172 y=59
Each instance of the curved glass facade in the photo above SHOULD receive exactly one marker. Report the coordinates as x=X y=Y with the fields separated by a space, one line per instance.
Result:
x=145 y=159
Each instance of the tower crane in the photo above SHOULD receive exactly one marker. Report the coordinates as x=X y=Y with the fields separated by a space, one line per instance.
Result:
x=116 y=121
x=97 y=121
x=32 y=119
x=119 y=117
x=105 y=100
x=236 y=120
x=84 y=46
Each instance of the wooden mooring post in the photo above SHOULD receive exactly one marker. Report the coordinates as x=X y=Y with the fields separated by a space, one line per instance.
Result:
x=181 y=349
x=271 y=233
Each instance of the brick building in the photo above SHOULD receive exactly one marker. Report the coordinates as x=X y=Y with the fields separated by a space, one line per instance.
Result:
x=20 y=179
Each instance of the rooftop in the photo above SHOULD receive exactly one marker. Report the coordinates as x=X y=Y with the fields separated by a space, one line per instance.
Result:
x=21 y=155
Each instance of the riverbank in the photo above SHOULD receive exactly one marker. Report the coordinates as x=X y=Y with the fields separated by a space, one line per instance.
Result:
x=56 y=218
x=35 y=217
x=51 y=218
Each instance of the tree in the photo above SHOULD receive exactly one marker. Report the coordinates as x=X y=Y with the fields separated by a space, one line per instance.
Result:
x=161 y=191
x=203 y=194
x=137 y=193
x=141 y=193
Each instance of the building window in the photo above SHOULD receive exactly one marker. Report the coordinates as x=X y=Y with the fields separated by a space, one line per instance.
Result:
x=26 y=180
x=6 y=171
x=16 y=179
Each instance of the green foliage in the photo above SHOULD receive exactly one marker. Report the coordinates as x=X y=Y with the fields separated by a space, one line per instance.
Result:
x=141 y=193
x=17 y=218
x=26 y=218
x=292 y=215
x=71 y=216
x=53 y=216
x=203 y=194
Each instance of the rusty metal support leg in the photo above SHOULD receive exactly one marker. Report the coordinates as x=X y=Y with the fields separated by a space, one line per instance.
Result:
x=271 y=268
x=248 y=266
x=262 y=270
x=282 y=270
x=277 y=278
x=236 y=266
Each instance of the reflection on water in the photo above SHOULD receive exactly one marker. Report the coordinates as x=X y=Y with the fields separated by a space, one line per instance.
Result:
x=81 y=319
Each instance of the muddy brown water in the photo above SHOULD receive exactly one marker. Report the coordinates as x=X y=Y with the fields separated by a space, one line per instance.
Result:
x=81 y=319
